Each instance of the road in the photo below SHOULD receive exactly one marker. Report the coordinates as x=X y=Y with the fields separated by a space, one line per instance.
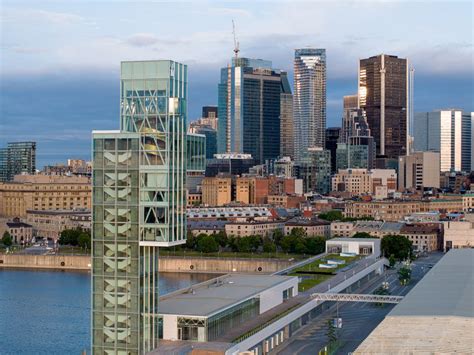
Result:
x=358 y=318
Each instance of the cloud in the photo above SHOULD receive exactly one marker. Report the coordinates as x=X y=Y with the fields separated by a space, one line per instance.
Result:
x=142 y=40
x=38 y=15
x=30 y=50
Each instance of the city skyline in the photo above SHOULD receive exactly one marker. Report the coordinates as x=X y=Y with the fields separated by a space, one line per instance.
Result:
x=79 y=68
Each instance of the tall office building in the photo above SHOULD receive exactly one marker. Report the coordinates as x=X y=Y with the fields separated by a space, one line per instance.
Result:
x=138 y=204
x=332 y=137
x=309 y=99
x=287 y=137
x=209 y=116
x=384 y=96
x=16 y=159
x=249 y=108
x=417 y=170
x=315 y=170
x=448 y=132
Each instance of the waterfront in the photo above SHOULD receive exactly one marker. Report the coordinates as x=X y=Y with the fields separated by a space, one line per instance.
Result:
x=48 y=312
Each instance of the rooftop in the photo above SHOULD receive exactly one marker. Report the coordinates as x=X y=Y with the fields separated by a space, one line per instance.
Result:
x=359 y=240
x=208 y=298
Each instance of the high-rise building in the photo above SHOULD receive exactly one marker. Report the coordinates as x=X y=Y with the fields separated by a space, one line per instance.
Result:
x=384 y=96
x=349 y=110
x=315 y=170
x=209 y=116
x=332 y=137
x=448 y=132
x=139 y=204
x=287 y=136
x=309 y=100
x=17 y=158
x=419 y=169
x=249 y=108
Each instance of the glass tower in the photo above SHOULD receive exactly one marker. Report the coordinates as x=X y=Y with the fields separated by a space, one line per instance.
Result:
x=249 y=108
x=17 y=158
x=309 y=100
x=138 y=204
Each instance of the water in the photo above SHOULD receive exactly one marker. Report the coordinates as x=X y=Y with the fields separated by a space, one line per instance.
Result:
x=48 y=312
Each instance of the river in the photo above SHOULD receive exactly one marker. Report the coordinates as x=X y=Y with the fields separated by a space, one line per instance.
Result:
x=48 y=312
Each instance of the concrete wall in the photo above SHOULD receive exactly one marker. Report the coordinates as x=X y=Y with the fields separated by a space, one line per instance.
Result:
x=170 y=264
x=187 y=264
x=46 y=262
x=274 y=296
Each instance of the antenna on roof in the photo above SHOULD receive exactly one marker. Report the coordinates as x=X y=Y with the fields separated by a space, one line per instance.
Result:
x=236 y=43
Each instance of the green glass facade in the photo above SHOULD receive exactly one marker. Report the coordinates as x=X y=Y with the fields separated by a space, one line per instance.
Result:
x=138 y=205
x=195 y=152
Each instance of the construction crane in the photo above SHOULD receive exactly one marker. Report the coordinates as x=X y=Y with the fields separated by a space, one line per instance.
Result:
x=236 y=44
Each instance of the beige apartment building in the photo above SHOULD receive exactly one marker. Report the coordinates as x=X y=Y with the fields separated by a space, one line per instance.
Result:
x=313 y=228
x=244 y=229
x=50 y=224
x=396 y=210
x=216 y=191
x=43 y=192
x=419 y=169
x=365 y=182
x=468 y=202
x=424 y=236
x=459 y=234
x=342 y=229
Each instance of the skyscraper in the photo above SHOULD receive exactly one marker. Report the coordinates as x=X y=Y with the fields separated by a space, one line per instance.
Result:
x=332 y=137
x=249 y=108
x=383 y=95
x=287 y=137
x=138 y=204
x=349 y=105
x=309 y=100
x=17 y=158
x=448 y=132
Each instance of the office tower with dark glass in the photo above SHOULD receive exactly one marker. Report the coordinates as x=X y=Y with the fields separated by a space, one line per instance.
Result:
x=332 y=138
x=287 y=136
x=16 y=159
x=309 y=100
x=138 y=204
x=249 y=108
x=384 y=96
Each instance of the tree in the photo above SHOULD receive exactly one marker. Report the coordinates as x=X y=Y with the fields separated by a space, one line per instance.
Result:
x=392 y=260
x=300 y=246
x=268 y=246
x=277 y=236
x=397 y=245
x=363 y=235
x=286 y=243
x=207 y=244
x=404 y=275
x=315 y=245
x=298 y=232
x=191 y=241
x=221 y=239
x=333 y=215
x=84 y=240
x=244 y=245
x=70 y=237
x=7 y=239
x=331 y=332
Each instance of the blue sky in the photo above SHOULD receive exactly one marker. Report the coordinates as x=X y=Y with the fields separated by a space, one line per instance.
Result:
x=60 y=59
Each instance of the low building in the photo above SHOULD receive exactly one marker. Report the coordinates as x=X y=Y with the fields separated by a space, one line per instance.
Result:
x=357 y=246
x=246 y=228
x=377 y=182
x=458 y=234
x=312 y=227
x=207 y=311
x=435 y=317
x=43 y=192
x=216 y=191
x=342 y=229
x=229 y=212
x=19 y=231
x=50 y=224
x=194 y=198
x=377 y=228
x=418 y=170
x=287 y=201
x=426 y=237
x=206 y=227
x=468 y=202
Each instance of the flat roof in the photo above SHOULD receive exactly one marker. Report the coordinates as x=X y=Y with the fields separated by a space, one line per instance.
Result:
x=208 y=298
x=435 y=317
x=353 y=240
x=447 y=290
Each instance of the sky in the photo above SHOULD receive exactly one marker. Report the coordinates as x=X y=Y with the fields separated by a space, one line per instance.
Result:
x=59 y=60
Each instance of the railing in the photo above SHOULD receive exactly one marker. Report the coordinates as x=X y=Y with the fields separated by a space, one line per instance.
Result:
x=356 y=297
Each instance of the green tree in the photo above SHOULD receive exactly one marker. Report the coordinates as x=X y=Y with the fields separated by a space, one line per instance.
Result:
x=244 y=244
x=70 y=237
x=277 y=236
x=331 y=332
x=392 y=260
x=207 y=244
x=300 y=246
x=333 y=215
x=298 y=232
x=268 y=246
x=84 y=240
x=398 y=245
x=315 y=245
x=404 y=275
x=286 y=243
x=221 y=239
x=363 y=235
x=7 y=239
x=191 y=241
